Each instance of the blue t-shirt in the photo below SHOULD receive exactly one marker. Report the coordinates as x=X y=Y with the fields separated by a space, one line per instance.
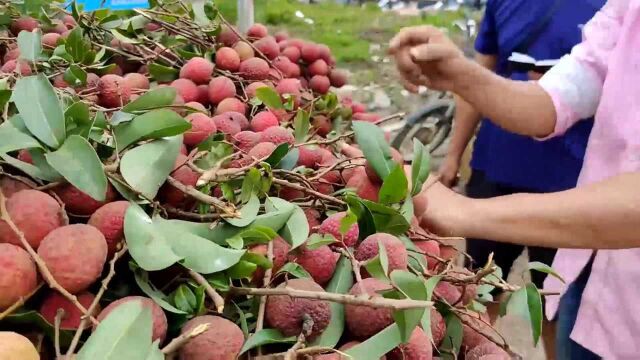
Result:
x=516 y=160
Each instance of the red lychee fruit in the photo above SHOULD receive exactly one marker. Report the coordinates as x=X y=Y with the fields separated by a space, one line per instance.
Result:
x=196 y=106
x=227 y=36
x=365 y=321
x=257 y=31
x=325 y=52
x=16 y=65
x=310 y=52
x=448 y=292
x=357 y=108
x=183 y=173
x=109 y=219
x=231 y=104
x=25 y=156
x=12 y=54
x=244 y=50
x=9 y=187
x=290 y=194
x=245 y=140
x=238 y=118
x=263 y=120
x=363 y=186
x=251 y=89
x=50 y=40
x=202 y=127
x=226 y=124
x=303 y=82
x=281 y=36
x=75 y=255
x=18 y=276
x=286 y=67
x=221 y=88
x=396 y=252
x=35 y=213
x=158 y=316
x=289 y=86
x=203 y=94
x=331 y=226
x=78 y=203
x=72 y=315
x=430 y=247
x=152 y=27
x=320 y=84
x=299 y=43
x=114 y=91
x=322 y=124
x=183 y=149
x=136 y=81
x=222 y=340
x=320 y=263
x=277 y=135
x=487 y=351
x=308 y=157
x=280 y=252
x=418 y=348
x=25 y=23
x=292 y=52
x=254 y=69
x=186 y=88
x=268 y=47
x=313 y=218
x=473 y=336
x=338 y=78
x=262 y=150
x=199 y=69
x=368 y=117
x=69 y=21
x=287 y=314
x=438 y=327
x=227 y=59
x=318 y=67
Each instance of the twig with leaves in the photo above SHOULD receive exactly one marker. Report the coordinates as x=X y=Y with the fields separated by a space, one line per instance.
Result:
x=218 y=300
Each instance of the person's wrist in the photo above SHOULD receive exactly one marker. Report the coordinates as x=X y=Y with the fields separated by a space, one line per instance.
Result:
x=465 y=74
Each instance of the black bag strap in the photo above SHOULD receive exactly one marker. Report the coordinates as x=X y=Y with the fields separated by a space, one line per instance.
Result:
x=526 y=42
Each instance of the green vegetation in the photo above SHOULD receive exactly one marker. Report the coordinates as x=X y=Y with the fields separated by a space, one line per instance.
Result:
x=348 y=30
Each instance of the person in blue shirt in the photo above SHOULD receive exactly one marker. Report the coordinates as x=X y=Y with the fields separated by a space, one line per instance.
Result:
x=504 y=163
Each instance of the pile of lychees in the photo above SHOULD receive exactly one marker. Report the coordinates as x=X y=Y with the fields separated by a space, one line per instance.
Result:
x=265 y=172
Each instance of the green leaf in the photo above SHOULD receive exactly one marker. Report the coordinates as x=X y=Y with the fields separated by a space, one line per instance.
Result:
x=242 y=270
x=377 y=345
x=33 y=320
x=295 y=270
x=151 y=125
x=163 y=73
x=412 y=287
x=316 y=241
x=386 y=219
x=277 y=155
x=78 y=162
x=40 y=109
x=124 y=334
x=395 y=186
x=75 y=76
x=248 y=213
x=30 y=45
x=378 y=267
x=290 y=160
x=375 y=148
x=152 y=99
x=12 y=139
x=420 y=166
x=5 y=96
x=296 y=229
x=430 y=284
x=235 y=242
x=142 y=279
x=494 y=277
x=76 y=45
x=257 y=259
x=27 y=168
x=417 y=261
x=251 y=184
x=257 y=235
x=453 y=338
x=269 y=97
x=340 y=283
x=534 y=302
x=407 y=209
x=538 y=266
x=301 y=125
x=265 y=337
x=184 y=299
x=347 y=222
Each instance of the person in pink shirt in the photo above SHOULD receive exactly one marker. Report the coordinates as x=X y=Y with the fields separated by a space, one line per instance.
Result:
x=596 y=224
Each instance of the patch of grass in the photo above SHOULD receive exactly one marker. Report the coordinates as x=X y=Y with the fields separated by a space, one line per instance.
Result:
x=347 y=30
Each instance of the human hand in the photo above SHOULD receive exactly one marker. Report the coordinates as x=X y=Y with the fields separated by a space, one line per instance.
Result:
x=449 y=170
x=441 y=210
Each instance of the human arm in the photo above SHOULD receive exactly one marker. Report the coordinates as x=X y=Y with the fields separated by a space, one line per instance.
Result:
x=602 y=215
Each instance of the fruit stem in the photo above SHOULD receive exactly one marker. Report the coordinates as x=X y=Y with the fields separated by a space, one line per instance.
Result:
x=178 y=342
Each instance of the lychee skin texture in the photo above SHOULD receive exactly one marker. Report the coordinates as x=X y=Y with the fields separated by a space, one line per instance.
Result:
x=318 y=67
x=331 y=226
x=430 y=247
x=254 y=69
x=472 y=338
x=364 y=187
x=292 y=52
x=277 y=135
x=35 y=213
x=257 y=31
x=227 y=36
x=11 y=65
x=310 y=52
x=238 y=118
x=223 y=339
x=137 y=81
x=109 y=219
x=183 y=173
x=203 y=94
x=290 y=194
x=50 y=39
x=202 y=127
x=226 y=125
x=438 y=327
x=262 y=150
x=25 y=156
x=396 y=252
x=364 y=321
x=325 y=53
x=418 y=348
x=75 y=255
x=244 y=50
x=251 y=89
x=322 y=124
x=286 y=67
x=16 y=346
x=25 y=23
x=198 y=70
x=281 y=36
x=338 y=78
x=320 y=84
x=78 y=203
x=72 y=315
x=287 y=314
x=268 y=47
x=448 y=292
x=12 y=54
x=158 y=316
x=227 y=59
x=313 y=218
x=246 y=140
x=487 y=351
x=280 y=252
x=263 y=120
x=18 y=276
x=221 y=88
x=186 y=88
x=308 y=157
x=10 y=186
x=114 y=91
x=231 y=104
x=196 y=106
x=289 y=86
x=320 y=263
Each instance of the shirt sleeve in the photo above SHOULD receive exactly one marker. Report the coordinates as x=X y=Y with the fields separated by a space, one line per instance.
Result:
x=487 y=38
x=575 y=83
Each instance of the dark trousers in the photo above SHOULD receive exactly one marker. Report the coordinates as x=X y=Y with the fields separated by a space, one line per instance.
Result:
x=504 y=254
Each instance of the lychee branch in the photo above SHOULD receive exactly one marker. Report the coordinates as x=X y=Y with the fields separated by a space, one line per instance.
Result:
x=46 y=274
x=266 y=281
x=178 y=342
x=355 y=264
x=228 y=210
x=361 y=300
x=56 y=332
x=213 y=294
x=307 y=327
x=309 y=191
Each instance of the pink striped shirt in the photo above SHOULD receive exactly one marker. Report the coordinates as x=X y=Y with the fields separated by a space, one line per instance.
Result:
x=602 y=77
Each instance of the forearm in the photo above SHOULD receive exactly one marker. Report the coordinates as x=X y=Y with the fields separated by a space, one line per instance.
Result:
x=517 y=106
x=599 y=216
x=464 y=126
